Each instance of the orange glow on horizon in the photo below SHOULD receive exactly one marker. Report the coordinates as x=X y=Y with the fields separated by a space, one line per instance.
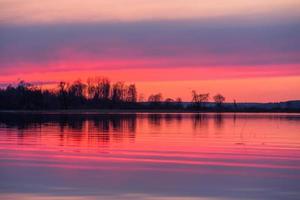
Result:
x=245 y=84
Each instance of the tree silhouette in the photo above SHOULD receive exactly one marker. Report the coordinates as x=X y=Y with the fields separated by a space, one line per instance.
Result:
x=77 y=89
x=98 y=88
x=219 y=100
x=155 y=98
x=62 y=94
x=91 y=88
x=103 y=88
x=199 y=99
x=131 y=94
x=118 y=92
x=100 y=93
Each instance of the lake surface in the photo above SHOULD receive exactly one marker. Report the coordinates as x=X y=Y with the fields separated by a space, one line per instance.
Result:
x=149 y=156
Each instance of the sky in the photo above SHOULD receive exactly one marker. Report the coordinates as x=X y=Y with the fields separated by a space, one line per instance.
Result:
x=247 y=50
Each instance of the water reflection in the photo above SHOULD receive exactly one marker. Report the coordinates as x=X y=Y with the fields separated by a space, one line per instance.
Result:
x=200 y=121
x=149 y=156
x=219 y=121
x=99 y=127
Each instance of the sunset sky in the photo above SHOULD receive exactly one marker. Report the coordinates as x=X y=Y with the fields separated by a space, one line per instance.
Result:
x=246 y=50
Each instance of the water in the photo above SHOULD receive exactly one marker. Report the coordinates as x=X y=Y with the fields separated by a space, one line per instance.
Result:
x=149 y=156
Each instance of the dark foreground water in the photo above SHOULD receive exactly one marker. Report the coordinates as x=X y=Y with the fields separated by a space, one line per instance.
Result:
x=149 y=156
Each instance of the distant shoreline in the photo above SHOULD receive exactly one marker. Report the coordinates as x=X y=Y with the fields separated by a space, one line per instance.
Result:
x=170 y=107
x=133 y=111
x=102 y=96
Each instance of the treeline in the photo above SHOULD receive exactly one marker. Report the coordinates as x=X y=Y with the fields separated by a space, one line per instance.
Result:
x=95 y=93
x=101 y=93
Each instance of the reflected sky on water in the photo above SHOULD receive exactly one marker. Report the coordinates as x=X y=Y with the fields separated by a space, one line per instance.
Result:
x=149 y=156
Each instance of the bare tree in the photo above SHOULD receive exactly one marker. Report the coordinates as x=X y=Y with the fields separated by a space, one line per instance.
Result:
x=131 y=94
x=98 y=88
x=194 y=96
x=118 y=92
x=200 y=99
x=78 y=89
x=203 y=98
x=103 y=88
x=219 y=99
x=91 y=88
x=62 y=94
x=155 y=98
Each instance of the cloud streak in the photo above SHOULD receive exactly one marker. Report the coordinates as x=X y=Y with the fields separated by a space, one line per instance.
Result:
x=148 y=45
